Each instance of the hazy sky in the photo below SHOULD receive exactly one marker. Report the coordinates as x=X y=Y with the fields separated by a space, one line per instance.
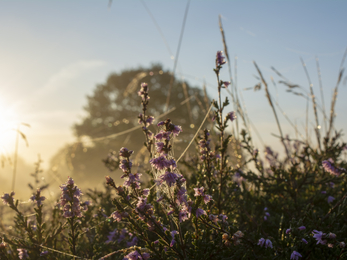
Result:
x=53 y=53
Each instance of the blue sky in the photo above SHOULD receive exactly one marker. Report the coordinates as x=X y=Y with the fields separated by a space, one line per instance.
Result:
x=53 y=53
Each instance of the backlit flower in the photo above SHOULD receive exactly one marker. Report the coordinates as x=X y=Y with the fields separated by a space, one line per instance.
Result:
x=22 y=253
x=329 y=166
x=318 y=235
x=220 y=59
x=295 y=255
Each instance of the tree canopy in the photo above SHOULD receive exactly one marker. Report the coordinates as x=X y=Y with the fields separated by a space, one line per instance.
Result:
x=114 y=107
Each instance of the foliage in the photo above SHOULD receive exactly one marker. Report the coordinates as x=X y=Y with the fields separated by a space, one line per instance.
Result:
x=114 y=108
x=289 y=207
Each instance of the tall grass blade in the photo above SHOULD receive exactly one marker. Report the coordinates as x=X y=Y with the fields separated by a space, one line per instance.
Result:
x=176 y=57
x=317 y=127
x=272 y=106
x=322 y=95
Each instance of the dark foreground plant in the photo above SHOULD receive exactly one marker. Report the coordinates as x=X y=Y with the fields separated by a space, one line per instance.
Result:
x=291 y=207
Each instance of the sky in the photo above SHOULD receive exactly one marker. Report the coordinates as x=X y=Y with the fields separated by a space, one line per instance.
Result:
x=54 y=53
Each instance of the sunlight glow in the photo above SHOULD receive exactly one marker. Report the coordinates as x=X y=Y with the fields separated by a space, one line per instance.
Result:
x=8 y=126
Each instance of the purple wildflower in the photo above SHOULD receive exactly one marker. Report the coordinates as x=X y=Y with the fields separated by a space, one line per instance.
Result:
x=237 y=178
x=200 y=212
x=331 y=185
x=302 y=228
x=295 y=256
x=109 y=180
x=207 y=198
x=133 y=242
x=145 y=192
x=223 y=217
x=231 y=116
x=226 y=83
x=331 y=199
x=177 y=130
x=213 y=218
x=162 y=135
x=199 y=191
x=22 y=253
x=173 y=241
x=149 y=120
x=265 y=242
x=125 y=165
x=329 y=166
x=122 y=235
x=255 y=152
x=304 y=240
x=331 y=235
x=134 y=255
x=7 y=199
x=111 y=236
x=182 y=196
x=117 y=216
x=36 y=197
x=44 y=253
x=143 y=93
x=132 y=180
x=169 y=177
x=183 y=215
x=271 y=156
x=70 y=199
x=288 y=231
x=124 y=152
x=318 y=235
x=160 y=163
x=159 y=147
x=142 y=207
x=220 y=59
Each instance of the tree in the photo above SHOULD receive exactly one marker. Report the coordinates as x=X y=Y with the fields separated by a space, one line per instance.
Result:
x=114 y=107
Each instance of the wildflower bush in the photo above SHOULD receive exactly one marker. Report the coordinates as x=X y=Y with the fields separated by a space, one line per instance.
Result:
x=205 y=206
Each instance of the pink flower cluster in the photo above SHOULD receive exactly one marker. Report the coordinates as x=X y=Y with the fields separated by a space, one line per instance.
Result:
x=22 y=253
x=70 y=199
x=220 y=59
x=295 y=255
x=7 y=199
x=265 y=242
x=231 y=116
x=204 y=147
x=200 y=192
x=131 y=179
x=143 y=93
x=319 y=235
x=135 y=255
x=37 y=198
x=162 y=162
x=329 y=166
x=267 y=214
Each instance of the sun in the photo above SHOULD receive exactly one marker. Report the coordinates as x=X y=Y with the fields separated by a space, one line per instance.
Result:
x=8 y=126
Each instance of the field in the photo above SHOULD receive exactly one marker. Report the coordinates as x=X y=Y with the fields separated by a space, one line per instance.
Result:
x=186 y=174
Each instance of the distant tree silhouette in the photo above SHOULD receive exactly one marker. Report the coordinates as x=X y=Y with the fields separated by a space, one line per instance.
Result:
x=114 y=107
